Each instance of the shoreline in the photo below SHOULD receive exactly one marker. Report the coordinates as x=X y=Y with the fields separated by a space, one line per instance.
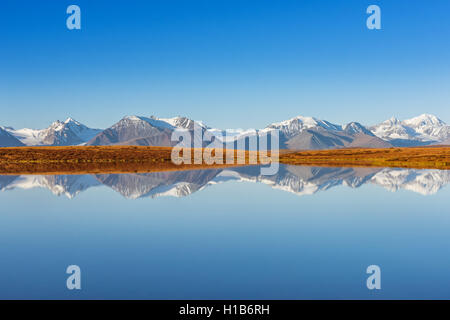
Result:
x=142 y=159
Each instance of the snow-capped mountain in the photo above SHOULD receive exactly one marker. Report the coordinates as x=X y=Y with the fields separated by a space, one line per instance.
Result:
x=149 y=131
x=305 y=133
x=134 y=130
x=355 y=128
x=145 y=131
x=422 y=130
x=298 y=124
x=180 y=122
x=69 y=132
x=298 y=133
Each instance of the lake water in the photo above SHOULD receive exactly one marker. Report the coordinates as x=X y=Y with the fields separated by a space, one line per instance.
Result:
x=304 y=233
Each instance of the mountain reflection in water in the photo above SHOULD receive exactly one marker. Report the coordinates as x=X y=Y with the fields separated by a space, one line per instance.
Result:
x=295 y=179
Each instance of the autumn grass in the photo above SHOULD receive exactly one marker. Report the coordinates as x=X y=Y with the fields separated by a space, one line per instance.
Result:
x=97 y=159
x=417 y=157
x=129 y=159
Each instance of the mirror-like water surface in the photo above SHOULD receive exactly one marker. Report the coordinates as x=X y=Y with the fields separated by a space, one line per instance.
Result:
x=304 y=233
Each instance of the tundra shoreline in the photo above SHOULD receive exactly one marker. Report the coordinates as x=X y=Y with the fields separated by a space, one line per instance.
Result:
x=141 y=159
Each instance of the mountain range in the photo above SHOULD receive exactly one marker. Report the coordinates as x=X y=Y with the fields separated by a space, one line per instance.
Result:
x=299 y=133
x=69 y=132
x=294 y=179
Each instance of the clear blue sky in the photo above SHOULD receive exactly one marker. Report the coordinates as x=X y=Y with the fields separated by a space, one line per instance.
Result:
x=228 y=63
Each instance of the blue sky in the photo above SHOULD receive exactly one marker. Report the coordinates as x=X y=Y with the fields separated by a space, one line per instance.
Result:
x=228 y=63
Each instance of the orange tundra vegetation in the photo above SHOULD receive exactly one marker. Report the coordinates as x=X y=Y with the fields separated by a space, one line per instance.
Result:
x=127 y=159
x=417 y=157
x=94 y=159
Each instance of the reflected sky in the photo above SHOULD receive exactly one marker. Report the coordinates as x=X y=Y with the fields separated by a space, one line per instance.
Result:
x=229 y=234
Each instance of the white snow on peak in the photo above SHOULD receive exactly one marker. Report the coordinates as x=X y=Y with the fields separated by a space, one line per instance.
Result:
x=392 y=120
x=424 y=128
x=71 y=120
x=424 y=120
x=355 y=127
x=181 y=122
x=186 y=123
x=69 y=132
x=171 y=123
x=300 y=123
x=132 y=118
x=29 y=137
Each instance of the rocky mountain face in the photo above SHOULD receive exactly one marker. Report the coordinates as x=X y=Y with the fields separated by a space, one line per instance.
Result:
x=306 y=133
x=143 y=131
x=134 y=130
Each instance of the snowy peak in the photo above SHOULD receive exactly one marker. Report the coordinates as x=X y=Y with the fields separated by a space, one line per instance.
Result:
x=355 y=128
x=300 y=123
x=181 y=122
x=135 y=130
x=307 y=133
x=164 y=123
x=392 y=129
x=138 y=121
x=392 y=121
x=296 y=133
x=72 y=120
x=69 y=132
x=429 y=127
x=143 y=131
x=424 y=120
x=420 y=130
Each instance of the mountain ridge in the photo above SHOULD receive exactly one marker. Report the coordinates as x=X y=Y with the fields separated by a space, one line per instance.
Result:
x=298 y=133
x=59 y=133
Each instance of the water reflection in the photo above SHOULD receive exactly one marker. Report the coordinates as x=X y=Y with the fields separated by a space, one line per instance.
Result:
x=295 y=179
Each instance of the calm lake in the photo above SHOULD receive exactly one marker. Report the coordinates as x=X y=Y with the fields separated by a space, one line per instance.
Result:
x=305 y=233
